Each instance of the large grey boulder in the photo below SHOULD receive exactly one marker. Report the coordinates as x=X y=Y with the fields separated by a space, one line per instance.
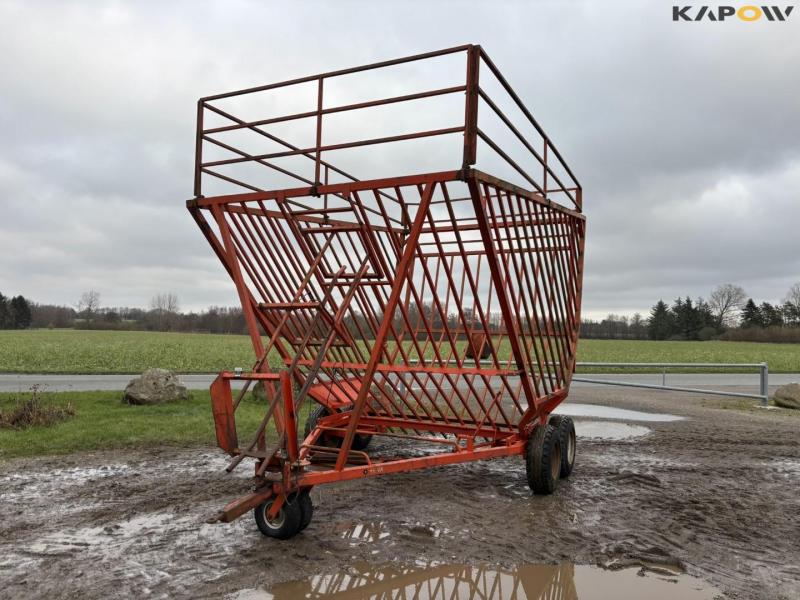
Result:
x=788 y=396
x=155 y=386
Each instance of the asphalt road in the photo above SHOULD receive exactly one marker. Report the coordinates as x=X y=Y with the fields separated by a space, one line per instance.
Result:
x=10 y=382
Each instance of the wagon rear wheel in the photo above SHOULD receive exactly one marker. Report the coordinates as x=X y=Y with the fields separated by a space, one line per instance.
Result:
x=543 y=459
x=566 y=433
x=360 y=441
x=325 y=439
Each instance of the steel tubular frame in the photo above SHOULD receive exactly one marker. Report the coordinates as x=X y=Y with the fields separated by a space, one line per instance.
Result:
x=439 y=307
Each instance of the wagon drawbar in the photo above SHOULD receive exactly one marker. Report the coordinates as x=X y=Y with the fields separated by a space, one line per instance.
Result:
x=439 y=306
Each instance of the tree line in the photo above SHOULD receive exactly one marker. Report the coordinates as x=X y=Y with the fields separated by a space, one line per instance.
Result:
x=15 y=313
x=87 y=313
x=729 y=314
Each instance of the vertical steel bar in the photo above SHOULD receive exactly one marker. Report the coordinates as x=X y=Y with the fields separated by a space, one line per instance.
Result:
x=319 y=132
x=198 y=150
x=764 y=384
x=544 y=175
x=289 y=416
x=471 y=107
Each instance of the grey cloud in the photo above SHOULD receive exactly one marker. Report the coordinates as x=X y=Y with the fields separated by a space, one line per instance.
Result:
x=685 y=136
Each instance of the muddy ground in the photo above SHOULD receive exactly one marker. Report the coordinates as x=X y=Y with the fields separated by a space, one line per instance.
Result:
x=716 y=494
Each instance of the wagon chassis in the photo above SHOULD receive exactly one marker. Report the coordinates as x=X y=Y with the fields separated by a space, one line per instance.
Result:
x=441 y=308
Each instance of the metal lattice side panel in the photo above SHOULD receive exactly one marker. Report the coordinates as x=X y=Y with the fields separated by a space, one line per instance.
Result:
x=487 y=317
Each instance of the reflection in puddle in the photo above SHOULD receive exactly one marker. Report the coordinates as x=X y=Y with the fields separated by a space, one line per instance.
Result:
x=364 y=532
x=608 y=430
x=529 y=582
x=374 y=531
x=571 y=409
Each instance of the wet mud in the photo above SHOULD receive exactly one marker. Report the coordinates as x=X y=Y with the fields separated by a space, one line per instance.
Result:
x=710 y=501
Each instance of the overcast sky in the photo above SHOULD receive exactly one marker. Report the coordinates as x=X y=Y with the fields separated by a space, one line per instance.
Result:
x=685 y=136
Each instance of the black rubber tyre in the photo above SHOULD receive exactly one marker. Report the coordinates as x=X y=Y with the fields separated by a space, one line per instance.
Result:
x=306 y=508
x=285 y=525
x=331 y=441
x=360 y=442
x=566 y=433
x=543 y=459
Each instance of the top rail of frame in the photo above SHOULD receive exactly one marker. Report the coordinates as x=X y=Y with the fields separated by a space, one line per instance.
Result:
x=339 y=72
x=516 y=142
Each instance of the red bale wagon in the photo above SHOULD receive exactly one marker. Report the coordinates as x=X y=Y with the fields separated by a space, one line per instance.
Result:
x=440 y=306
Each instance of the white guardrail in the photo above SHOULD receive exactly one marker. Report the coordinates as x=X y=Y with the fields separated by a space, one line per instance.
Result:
x=763 y=372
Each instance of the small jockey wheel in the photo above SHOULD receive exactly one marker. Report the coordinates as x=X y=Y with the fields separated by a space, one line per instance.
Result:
x=294 y=516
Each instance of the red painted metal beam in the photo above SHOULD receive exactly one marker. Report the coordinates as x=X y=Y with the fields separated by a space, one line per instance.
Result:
x=409 y=464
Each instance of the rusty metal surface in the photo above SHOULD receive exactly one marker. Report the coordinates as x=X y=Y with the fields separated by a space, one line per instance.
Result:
x=378 y=294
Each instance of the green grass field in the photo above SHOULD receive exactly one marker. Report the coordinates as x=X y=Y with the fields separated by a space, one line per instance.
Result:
x=102 y=420
x=94 y=352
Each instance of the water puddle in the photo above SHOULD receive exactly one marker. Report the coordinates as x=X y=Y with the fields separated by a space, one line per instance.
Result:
x=607 y=412
x=131 y=553
x=785 y=467
x=107 y=537
x=609 y=430
x=18 y=488
x=530 y=582
x=65 y=476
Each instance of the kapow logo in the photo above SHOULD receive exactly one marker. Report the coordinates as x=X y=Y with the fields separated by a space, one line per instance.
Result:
x=720 y=13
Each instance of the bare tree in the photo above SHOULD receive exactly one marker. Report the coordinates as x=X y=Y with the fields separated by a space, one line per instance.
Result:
x=638 y=326
x=164 y=307
x=791 y=305
x=793 y=296
x=89 y=304
x=165 y=303
x=725 y=302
